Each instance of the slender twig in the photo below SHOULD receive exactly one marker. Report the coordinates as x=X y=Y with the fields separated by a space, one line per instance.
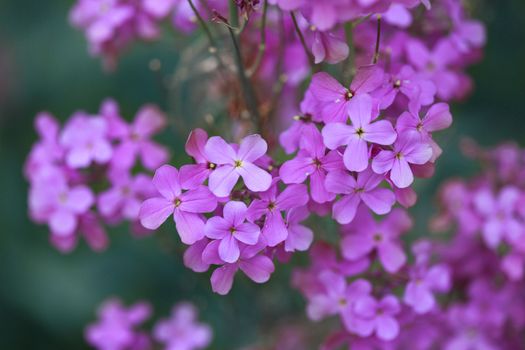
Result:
x=378 y=40
x=262 y=43
x=213 y=47
x=246 y=86
x=234 y=15
x=301 y=38
x=349 y=64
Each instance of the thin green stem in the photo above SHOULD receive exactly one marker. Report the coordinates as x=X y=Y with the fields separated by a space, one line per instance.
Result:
x=213 y=47
x=262 y=42
x=247 y=88
x=349 y=64
x=301 y=38
x=234 y=15
x=378 y=40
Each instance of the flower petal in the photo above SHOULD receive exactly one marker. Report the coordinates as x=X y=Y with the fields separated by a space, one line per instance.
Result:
x=155 y=211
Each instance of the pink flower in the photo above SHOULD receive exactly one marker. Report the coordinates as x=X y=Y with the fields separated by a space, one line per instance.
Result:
x=353 y=191
x=85 y=140
x=124 y=198
x=231 y=229
x=184 y=206
x=408 y=149
x=116 y=327
x=271 y=206
x=328 y=48
x=182 y=331
x=423 y=282
x=312 y=162
x=232 y=164
x=499 y=215
x=435 y=65
x=378 y=316
x=299 y=237
x=193 y=175
x=61 y=205
x=356 y=136
x=437 y=118
x=258 y=267
x=135 y=137
x=364 y=235
x=338 y=102
x=336 y=296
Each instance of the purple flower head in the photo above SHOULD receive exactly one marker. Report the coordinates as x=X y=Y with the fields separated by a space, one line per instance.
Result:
x=423 y=282
x=354 y=191
x=434 y=65
x=406 y=81
x=193 y=175
x=338 y=102
x=47 y=152
x=499 y=215
x=437 y=118
x=299 y=237
x=271 y=205
x=304 y=125
x=365 y=235
x=116 y=327
x=356 y=136
x=232 y=229
x=134 y=138
x=86 y=140
x=329 y=48
x=124 y=198
x=336 y=296
x=258 y=267
x=60 y=205
x=232 y=164
x=408 y=149
x=312 y=161
x=182 y=331
x=378 y=316
x=185 y=206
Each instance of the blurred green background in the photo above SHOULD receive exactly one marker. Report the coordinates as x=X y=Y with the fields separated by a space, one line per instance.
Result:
x=46 y=298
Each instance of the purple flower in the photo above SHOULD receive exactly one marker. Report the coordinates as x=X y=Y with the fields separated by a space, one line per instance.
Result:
x=499 y=215
x=364 y=235
x=231 y=229
x=304 y=125
x=339 y=102
x=328 y=48
x=184 y=206
x=336 y=297
x=312 y=162
x=378 y=316
x=423 y=282
x=434 y=65
x=85 y=140
x=356 y=136
x=437 y=118
x=193 y=175
x=258 y=267
x=353 y=191
x=232 y=164
x=408 y=149
x=116 y=327
x=271 y=205
x=182 y=331
x=124 y=198
x=135 y=137
x=299 y=237
x=61 y=205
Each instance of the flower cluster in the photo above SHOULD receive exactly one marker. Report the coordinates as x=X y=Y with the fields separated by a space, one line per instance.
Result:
x=111 y=26
x=119 y=328
x=85 y=173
